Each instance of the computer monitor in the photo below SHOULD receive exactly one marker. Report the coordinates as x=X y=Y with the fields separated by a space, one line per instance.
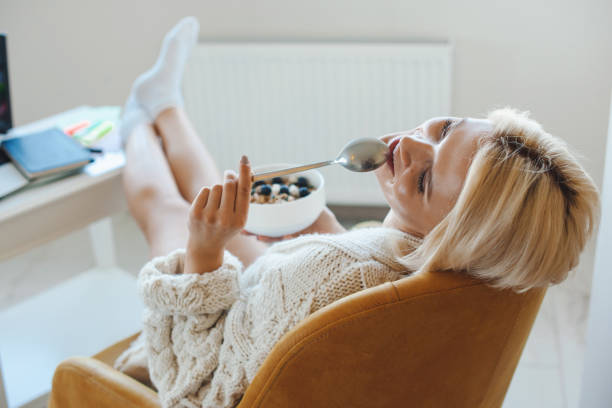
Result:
x=10 y=178
x=6 y=121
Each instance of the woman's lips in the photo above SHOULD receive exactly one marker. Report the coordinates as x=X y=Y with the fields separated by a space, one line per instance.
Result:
x=392 y=145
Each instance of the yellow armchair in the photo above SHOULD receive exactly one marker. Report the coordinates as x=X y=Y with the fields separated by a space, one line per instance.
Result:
x=430 y=340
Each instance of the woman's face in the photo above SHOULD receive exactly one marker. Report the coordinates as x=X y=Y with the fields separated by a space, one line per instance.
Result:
x=426 y=171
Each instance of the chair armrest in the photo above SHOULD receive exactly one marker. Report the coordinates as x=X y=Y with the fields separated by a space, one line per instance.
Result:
x=87 y=382
x=110 y=354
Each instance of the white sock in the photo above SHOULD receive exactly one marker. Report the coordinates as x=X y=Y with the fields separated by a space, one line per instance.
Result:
x=132 y=115
x=159 y=88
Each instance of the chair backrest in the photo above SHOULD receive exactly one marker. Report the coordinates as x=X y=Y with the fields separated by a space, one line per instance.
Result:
x=437 y=339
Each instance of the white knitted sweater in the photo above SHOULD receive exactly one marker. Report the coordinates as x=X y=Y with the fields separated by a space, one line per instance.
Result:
x=207 y=335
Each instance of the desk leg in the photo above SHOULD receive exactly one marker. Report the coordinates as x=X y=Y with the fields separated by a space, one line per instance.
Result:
x=102 y=243
x=3 y=400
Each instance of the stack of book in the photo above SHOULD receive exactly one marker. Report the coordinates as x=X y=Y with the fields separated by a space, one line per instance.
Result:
x=50 y=153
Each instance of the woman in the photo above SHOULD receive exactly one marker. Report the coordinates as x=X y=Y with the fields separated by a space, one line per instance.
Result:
x=497 y=198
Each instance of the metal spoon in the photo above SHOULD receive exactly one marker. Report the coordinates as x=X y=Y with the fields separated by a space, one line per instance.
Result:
x=364 y=154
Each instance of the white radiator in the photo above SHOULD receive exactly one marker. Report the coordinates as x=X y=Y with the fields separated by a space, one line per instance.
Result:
x=301 y=102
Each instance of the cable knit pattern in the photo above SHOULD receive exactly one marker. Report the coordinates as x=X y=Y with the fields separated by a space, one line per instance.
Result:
x=207 y=335
x=171 y=292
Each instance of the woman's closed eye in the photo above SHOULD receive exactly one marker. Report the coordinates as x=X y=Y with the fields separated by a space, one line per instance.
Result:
x=445 y=129
x=421 y=181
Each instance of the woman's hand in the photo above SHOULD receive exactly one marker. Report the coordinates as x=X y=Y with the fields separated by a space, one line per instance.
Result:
x=326 y=223
x=216 y=215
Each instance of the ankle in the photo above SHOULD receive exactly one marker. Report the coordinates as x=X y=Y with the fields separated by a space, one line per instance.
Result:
x=166 y=115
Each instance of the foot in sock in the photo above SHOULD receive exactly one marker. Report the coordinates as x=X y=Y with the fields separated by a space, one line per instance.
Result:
x=159 y=88
x=132 y=115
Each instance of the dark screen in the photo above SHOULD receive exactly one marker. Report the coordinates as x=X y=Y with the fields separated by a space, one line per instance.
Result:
x=5 y=100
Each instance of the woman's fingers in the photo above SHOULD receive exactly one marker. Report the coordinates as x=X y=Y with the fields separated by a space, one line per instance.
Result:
x=198 y=204
x=243 y=195
x=266 y=239
x=269 y=240
x=214 y=200
x=229 y=194
x=230 y=200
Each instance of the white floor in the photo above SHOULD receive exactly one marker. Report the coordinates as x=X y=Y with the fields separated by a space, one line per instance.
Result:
x=80 y=316
x=550 y=369
x=548 y=374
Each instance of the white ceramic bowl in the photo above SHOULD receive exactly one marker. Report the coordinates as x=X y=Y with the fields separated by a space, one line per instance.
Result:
x=276 y=220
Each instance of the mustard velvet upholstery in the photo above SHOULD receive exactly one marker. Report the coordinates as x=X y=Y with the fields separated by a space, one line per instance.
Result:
x=431 y=340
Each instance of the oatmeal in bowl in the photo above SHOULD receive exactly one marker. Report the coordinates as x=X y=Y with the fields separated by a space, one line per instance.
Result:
x=280 y=189
x=287 y=204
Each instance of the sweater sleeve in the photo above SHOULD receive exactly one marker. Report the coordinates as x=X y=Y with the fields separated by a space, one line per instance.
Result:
x=183 y=323
x=165 y=290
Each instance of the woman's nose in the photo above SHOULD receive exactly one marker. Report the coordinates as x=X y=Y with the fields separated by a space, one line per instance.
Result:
x=414 y=148
x=387 y=138
x=390 y=136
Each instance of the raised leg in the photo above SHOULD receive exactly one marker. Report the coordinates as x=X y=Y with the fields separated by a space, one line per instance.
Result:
x=191 y=163
x=152 y=195
x=156 y=96
x=194 y=167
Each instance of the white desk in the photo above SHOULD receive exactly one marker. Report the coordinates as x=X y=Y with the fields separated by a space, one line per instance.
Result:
x=84 y=314
x=33 y=216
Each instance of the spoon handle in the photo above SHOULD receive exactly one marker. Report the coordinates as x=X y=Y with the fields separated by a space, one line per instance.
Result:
x=282 y=172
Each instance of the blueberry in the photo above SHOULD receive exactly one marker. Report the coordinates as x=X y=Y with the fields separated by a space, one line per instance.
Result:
x=258 y=183
x=302 y=182
x=265 y=190
x=284 y=189
x=304 y=191
x=277 y=180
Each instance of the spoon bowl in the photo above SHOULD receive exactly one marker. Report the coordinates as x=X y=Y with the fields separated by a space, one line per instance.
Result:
x=365 y=154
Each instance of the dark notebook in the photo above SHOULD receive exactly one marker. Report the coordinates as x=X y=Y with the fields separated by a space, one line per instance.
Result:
x=46 y=153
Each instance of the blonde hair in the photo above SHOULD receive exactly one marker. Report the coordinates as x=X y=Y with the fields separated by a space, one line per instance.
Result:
x=524 y=214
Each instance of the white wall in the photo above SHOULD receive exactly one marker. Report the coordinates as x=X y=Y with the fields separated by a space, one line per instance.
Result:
x=551 y=57
x=596 y=390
